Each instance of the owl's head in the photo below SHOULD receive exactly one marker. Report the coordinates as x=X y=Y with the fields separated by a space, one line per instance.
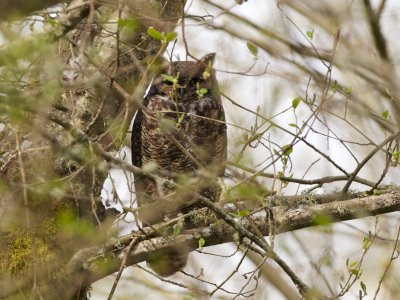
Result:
x=189 y=76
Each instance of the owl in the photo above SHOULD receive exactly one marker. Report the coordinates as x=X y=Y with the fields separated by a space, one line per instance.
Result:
x=181 y=131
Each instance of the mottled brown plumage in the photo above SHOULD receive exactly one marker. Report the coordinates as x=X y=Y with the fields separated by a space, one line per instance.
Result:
x=182 y=131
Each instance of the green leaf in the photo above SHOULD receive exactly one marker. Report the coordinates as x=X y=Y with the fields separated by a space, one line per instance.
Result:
x=131 y=24
x=169 y=78
x=243 y=213
x=181 y=117
x=177 y=228
x=353 y=264
x=154 y=33
x=385 y=115
x=363 y=287
x=295 y=102
x=170 y=36
x=335 y=86
x=347 y=91
x=294 y=125
x=366 y=242
x=252 y=48
x=201 y=92
x=310 y=34
x=354 y=272
x=201 y=243
x=287 y=149
x=395 y=155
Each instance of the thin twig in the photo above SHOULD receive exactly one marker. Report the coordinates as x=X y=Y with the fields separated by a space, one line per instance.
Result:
x=395 y=255
x=367 y=158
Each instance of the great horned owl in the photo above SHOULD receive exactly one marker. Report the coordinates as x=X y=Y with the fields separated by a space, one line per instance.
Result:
x=181 y=131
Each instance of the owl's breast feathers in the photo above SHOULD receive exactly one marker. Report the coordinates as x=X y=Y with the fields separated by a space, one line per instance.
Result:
x=196 y=122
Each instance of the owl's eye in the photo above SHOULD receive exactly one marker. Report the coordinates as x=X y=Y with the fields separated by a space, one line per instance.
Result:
x=182 y=80
x=169 y=79
x=196 y=81
x=168 y=82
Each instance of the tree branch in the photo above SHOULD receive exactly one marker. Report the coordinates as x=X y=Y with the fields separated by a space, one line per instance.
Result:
x=379 y=39
x=15 y=7
x=215 y=234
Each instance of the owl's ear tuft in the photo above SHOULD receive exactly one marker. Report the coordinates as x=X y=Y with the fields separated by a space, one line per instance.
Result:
x=208 y=59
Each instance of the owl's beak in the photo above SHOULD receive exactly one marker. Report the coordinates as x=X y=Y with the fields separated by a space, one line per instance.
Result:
x=182 y=92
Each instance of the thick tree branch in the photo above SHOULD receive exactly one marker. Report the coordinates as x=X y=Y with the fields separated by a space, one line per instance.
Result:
x=215 y=234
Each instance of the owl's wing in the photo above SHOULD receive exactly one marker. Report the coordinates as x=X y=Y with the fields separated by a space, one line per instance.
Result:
x=221 y=144
x=144 y=186
x=136 y=136
x=136 y=139
x=137 y=159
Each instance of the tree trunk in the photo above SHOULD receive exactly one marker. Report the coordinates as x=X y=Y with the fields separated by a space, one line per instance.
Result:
x=53 y=161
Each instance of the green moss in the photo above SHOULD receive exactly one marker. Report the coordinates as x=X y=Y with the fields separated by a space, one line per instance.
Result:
x=50 y=227
x=203 y=216
x=308 y=200
x=42 y=251
x=20 y=254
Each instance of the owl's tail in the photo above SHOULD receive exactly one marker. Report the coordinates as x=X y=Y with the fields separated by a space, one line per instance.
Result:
x=168 y=263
